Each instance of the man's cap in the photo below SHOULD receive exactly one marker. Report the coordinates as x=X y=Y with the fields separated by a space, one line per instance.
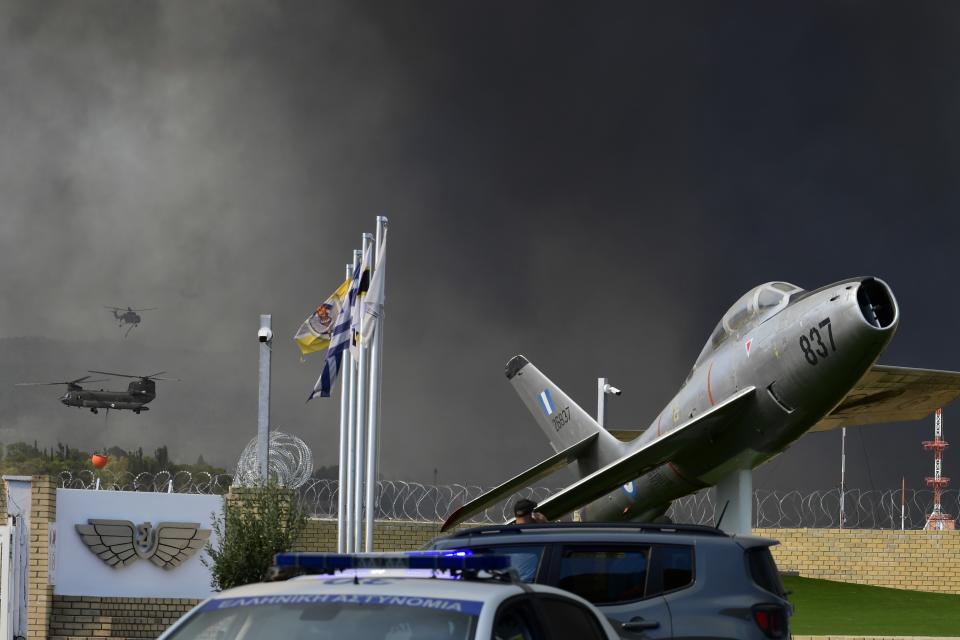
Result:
x=524 y=507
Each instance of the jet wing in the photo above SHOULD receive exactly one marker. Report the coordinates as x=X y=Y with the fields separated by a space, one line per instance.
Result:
x=656 y=452
x=532 y=474
x=893 y=394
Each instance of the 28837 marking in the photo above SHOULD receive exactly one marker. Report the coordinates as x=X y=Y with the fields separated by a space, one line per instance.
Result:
x=562 y=418
x=814 y=346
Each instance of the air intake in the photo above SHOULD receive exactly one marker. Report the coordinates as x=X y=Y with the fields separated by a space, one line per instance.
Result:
x=876 y=302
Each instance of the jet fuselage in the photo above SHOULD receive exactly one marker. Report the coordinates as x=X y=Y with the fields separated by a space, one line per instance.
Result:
x=802 y=355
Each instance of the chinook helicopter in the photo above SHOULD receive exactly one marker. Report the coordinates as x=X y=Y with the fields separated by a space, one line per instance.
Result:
x=128 y=316
x=141 y=391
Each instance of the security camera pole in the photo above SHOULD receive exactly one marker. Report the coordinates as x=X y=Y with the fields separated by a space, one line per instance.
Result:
x=265 y=337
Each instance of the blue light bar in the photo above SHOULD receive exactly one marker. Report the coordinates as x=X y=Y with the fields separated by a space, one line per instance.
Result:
x=434 y=560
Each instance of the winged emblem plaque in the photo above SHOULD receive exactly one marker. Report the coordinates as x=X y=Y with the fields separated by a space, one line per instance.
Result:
x=121 y=542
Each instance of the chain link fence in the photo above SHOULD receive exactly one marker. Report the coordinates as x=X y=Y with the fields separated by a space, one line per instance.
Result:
x=414 y=501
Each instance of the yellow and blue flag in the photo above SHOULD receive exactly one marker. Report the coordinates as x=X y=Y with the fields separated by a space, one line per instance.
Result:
x=316 y=332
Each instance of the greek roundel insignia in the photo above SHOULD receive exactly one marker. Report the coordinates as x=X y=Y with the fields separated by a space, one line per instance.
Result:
x=120 y=542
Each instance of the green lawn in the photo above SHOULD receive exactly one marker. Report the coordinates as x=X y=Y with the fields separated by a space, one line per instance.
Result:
x=824 y=607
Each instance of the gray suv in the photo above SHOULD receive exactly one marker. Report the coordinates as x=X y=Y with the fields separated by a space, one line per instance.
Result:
x=650 y=580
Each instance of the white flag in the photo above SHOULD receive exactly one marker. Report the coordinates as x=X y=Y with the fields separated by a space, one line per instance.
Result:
x=356 y=310
x=373 y=303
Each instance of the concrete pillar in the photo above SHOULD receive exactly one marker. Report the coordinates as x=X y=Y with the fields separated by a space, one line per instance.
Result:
x=736 y=493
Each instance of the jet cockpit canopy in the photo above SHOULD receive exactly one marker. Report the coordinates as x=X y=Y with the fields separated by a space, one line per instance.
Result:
x=754 y=307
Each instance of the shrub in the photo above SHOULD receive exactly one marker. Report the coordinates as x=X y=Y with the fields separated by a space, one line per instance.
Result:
x=256 y=523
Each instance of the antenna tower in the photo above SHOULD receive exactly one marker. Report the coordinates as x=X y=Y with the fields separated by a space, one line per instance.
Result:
x=937 y=520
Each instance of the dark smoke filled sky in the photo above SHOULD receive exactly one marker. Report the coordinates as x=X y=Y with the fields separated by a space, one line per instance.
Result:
x=591 y=186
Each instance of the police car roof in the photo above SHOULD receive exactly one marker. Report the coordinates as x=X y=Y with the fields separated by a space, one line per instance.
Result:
x=372 y=583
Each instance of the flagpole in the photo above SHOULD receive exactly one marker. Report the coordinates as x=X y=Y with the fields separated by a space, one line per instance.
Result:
x=373 y=430
x=350 y=368
x=342 y=469
x=361 y=424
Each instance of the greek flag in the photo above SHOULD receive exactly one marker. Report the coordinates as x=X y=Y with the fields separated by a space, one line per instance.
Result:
x=339 y=341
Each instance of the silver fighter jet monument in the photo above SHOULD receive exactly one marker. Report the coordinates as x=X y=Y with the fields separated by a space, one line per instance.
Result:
x=781 y=362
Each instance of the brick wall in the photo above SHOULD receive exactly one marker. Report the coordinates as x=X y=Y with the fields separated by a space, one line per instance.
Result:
x=76 y=618
x=43 y=511
x=918 y=560
x=321 y=535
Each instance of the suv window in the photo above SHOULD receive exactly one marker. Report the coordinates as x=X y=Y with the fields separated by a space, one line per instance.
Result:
x=525 y=558
x=567 y=619
x=604 y=574
x=675 y=563
x=764 y=571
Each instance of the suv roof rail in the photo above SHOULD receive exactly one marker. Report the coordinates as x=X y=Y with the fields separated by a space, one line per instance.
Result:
x=462 y=565
x=638 y=527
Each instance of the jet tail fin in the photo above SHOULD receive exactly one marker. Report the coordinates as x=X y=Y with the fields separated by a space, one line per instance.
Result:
x=532 y=474
x=560 y=418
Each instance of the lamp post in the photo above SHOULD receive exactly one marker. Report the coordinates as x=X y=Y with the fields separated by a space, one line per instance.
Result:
x=604 y=389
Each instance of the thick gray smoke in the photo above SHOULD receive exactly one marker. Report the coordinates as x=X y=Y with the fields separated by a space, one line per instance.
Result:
x=589 y=187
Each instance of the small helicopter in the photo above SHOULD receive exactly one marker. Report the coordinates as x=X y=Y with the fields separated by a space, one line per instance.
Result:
x=128 y=316
x=141 y=391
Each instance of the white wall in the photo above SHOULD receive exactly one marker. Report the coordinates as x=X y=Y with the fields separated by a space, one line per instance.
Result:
x=79 y=572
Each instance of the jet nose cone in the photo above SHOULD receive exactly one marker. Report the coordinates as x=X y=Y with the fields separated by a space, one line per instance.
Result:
x=877 y=304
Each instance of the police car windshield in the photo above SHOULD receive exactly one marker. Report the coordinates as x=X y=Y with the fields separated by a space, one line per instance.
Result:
x=754 y=307
x=364 y=617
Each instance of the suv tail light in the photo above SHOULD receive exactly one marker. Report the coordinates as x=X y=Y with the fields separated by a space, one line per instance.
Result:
x=772 y=620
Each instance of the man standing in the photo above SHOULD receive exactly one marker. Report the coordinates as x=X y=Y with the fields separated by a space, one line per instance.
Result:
x=525 y=512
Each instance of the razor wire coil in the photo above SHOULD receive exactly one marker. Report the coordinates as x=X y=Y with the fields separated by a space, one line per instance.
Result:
x=290 y=462
x=414 y=501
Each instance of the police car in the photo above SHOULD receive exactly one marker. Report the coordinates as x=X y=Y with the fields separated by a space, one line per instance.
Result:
x=414 y=596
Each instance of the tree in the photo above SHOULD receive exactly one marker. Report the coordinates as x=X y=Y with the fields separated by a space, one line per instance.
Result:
x=162 y=458
x=256 y=524
x=24 y=459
